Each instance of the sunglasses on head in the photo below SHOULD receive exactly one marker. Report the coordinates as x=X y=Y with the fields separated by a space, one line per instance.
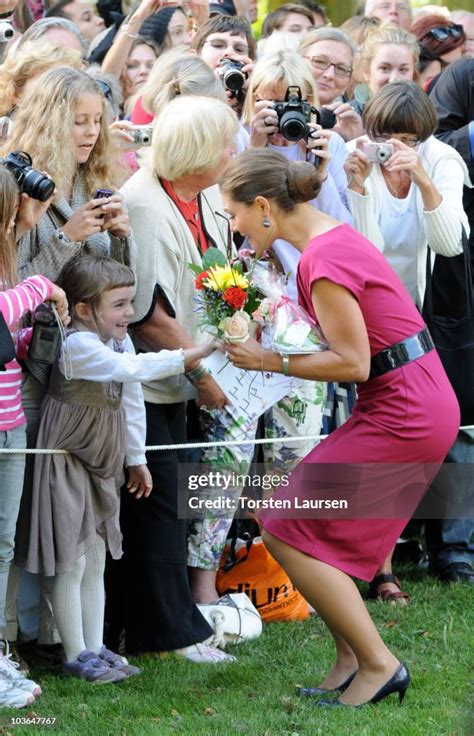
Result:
x=443 y=32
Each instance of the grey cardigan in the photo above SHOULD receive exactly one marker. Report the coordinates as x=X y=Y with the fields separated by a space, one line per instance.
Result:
x=41 y=251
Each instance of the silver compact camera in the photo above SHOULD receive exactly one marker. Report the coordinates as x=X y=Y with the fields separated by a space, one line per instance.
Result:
x=142 y=135
x=377 y=153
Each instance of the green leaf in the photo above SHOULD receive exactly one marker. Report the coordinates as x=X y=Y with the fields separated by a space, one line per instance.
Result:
x=213 y=257
x=195 y=268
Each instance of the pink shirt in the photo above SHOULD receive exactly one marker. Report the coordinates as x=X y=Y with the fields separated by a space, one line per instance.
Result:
x=14 y=303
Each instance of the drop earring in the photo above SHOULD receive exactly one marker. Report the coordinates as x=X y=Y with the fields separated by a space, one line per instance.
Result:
x=266 y=222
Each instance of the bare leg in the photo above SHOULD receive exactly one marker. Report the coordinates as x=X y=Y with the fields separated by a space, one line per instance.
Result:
x=203 y=585
x=338 y=602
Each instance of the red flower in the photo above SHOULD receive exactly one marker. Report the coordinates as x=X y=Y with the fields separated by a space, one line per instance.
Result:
x=235 y=296
x=199 y=279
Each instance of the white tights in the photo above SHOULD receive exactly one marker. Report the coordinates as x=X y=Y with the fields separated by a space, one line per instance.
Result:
x=78 y=603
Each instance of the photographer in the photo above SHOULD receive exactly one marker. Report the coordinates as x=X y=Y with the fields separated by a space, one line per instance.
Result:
x=17 y=213
x=67 y=106
x=223 y=39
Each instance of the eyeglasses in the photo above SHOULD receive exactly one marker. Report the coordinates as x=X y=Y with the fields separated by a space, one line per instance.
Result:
x=408 y=140
x=324 y=64
x=220 y=44
x=443 y=32
x=401 y=7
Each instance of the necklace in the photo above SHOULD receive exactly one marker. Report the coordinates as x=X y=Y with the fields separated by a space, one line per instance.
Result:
x=395 y=192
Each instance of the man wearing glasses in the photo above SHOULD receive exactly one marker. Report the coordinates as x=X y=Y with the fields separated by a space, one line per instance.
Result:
x=397 y=12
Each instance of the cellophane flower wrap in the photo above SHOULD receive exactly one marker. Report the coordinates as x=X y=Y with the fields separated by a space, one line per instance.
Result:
x=225 y=297
x=290 y=330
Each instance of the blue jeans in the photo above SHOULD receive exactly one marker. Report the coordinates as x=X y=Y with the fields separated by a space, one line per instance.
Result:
x=448 y=541
x=12 y=469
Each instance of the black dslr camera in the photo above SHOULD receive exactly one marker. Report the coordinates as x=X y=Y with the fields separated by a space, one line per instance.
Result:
x=29 y=180
x=232 y=76
x=294 y=114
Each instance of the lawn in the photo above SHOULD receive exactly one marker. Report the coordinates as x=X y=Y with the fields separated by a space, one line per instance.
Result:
x=255 y=696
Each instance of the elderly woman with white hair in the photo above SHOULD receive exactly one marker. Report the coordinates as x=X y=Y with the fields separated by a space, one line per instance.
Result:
x=174 y=206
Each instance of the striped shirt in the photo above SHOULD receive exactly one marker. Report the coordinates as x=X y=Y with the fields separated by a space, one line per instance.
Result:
x=14 y=303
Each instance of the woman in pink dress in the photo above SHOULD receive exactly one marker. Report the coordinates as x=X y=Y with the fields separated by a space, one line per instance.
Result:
x=404 y=422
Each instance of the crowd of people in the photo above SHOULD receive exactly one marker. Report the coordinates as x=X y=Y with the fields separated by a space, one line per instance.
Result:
x=134 y=138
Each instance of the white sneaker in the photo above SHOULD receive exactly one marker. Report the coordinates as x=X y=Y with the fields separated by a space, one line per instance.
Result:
x=9 y=670
x=12 y=697
x=204 y=654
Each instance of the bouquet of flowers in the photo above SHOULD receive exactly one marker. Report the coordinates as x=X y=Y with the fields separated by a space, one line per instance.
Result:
x=226 y=297
x=291 y=329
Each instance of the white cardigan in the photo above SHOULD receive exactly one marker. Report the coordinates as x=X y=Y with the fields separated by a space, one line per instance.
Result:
x=441 y=226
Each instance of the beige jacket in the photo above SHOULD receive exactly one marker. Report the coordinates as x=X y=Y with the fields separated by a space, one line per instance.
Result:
x=164 y=248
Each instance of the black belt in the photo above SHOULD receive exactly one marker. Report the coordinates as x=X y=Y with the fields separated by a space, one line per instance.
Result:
x=409 y=349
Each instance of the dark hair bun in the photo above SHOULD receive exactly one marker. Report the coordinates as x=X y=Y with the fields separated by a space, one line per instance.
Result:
x=304 y=182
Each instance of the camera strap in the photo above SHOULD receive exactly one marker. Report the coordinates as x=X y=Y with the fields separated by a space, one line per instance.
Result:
x=64 y=350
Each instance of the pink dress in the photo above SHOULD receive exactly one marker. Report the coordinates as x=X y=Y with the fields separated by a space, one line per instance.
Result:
x=401 y=428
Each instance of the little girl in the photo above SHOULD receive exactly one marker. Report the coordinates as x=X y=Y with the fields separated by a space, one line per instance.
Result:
x=93 y=409
x=15 y=690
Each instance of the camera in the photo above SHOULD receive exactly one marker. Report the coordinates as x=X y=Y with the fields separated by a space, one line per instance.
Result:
x=6 y=31
x=29 y=180
x=232 y=76
x=377 y=153
x=142 y=135
x=294 y=114
x=46 y=338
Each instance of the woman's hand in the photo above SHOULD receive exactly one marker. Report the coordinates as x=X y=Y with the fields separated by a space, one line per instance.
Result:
x=318 y=143
x=30 y=213
x=247 y=355
x=263 y=124
x=357 y=167
x=210 y=395
x=116 y=220
x=86 y=221
x=139 y=481
x=349 y=123
x=58 y=296
x=406 y=158
x=121 y=135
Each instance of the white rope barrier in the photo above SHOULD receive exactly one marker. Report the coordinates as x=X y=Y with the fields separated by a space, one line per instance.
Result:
x=191 y=445
x=183 y=446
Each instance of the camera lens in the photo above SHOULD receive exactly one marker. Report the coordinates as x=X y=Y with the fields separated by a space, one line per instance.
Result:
x=37 y=185
x=293 y=126
x=234 y=79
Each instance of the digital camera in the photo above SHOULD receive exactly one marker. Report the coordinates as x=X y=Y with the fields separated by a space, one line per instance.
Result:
x=377 y=153
x=29 y=180
x=6 y=31
x=294 y=114
x=142 y=135
x=232 y=76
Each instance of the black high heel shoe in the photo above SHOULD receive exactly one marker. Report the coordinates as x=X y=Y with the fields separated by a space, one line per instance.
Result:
x=314 y=692
x=398 y=683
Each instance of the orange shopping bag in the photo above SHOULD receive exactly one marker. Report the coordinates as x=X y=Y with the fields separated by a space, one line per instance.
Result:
x=247 y=567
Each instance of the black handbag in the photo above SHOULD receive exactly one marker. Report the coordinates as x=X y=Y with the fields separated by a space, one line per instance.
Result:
x=7 y=346
x=454 y=336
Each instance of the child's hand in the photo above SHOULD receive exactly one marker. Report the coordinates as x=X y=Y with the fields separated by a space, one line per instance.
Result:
x=139 y=481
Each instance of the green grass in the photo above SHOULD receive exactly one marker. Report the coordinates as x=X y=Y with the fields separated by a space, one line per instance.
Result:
x=255 y=696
